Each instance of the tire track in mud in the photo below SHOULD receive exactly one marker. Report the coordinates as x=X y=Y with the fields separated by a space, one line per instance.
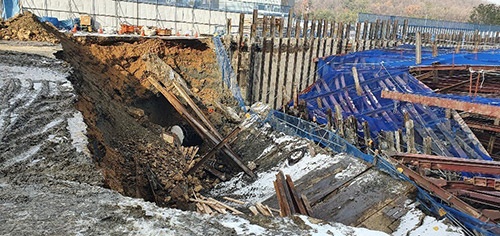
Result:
x=36 y=103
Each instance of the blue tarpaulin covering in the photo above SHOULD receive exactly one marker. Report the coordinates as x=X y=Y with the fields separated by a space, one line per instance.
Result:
x=388 y=69
x=10 y=8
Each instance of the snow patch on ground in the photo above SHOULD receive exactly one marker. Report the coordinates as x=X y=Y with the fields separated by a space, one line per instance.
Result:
x=242 y=226
x=352 y=169
x=78 y=130
x=415 y=223
x=25 y=73
x=23 y=156
x=263 y=188
x=338 y=229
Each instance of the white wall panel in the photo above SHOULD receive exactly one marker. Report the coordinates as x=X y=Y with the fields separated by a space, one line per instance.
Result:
x=109 y=13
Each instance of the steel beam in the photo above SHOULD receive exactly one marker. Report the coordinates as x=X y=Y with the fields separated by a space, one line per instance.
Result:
x=483 y=109
x=452 y=67
x=442 y=194
x=467 y=184
x=485 y=127
x=483 y=196
x=450 y=163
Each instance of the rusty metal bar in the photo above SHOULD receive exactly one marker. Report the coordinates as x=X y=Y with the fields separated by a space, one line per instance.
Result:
x=450 y=163
x=453 y=67
x=483 y=109
x=486 y=127
x=451 y=86
x=442 y=194
x=475 y=183
x=483 y=196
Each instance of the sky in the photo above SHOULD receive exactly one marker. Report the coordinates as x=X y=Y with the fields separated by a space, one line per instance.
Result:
x=495 y=1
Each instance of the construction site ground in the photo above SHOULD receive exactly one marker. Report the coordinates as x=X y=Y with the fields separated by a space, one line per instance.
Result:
x=81 y=143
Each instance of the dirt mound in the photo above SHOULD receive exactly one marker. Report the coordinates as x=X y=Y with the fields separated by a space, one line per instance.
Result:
x=26 y=27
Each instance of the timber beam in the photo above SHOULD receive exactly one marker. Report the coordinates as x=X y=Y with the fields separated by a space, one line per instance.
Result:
x=450 y=163
x=483 y=109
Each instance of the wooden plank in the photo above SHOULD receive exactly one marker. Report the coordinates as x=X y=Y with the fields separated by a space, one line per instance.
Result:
x=278 y=96
x=270 y=76
x=297 y=202
x=418 y=49
x=213 y=150
x=254 y=210
x=263 y=61
x=284 y=196
x=263 y=210
x=307 y=205
x=238 y=48
x=296 y=52
x=302 y=64
x=234 y=200
x=359 y=90
x=310 y=54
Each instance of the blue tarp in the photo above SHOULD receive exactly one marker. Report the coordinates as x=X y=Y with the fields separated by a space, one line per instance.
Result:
x=10 y=8
x=388 y=69
x=53 y=20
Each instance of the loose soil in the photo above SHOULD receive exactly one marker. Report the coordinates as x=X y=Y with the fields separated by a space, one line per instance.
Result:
x=22 y=28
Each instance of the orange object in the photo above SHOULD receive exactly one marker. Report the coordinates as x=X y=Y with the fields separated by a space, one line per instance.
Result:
x=100 y=31
x=74 y=29
x=142 y=33
x=177 y=33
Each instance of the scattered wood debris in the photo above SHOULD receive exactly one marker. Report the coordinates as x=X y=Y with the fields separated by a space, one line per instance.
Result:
x=211 y=206
x=290 y=201
x=189 y=153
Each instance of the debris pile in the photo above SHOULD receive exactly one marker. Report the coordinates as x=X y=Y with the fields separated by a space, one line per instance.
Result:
x=26 y=27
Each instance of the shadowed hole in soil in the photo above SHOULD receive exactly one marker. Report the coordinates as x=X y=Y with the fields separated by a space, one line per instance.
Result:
x=161 y=112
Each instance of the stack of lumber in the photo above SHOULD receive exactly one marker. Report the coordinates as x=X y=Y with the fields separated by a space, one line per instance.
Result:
x=211 y=206
x=262 y=209
x=290 y=201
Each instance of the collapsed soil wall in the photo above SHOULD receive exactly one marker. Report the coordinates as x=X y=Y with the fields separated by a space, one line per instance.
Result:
x=125 y=118
x=125 y=141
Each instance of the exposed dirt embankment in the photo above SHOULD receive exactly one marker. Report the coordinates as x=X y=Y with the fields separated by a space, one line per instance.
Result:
x=125 y=118
x=115 y=94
